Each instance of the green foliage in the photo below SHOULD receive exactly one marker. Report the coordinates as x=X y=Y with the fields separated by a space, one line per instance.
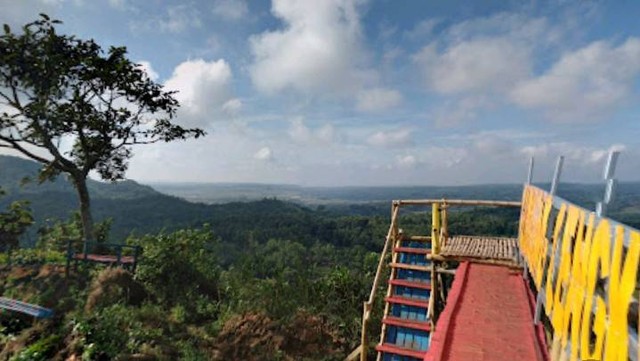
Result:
x=112 y=331
x=41 y=350
x=13 y=223
x=181 y=267
x=32 y=256
x=55 y=234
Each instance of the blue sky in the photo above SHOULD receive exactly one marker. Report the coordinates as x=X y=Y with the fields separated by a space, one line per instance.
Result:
x=378 y=92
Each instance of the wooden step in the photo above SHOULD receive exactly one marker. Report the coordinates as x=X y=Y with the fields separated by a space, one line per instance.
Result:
x=405 y=283
x=407 y=301
x=406 y=323
x=389 y=348
x=412 y=267
x=412 y=250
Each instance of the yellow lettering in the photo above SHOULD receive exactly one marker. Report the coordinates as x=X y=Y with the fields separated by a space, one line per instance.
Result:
x=598 y=265
x=552 y=260
x=621 y=286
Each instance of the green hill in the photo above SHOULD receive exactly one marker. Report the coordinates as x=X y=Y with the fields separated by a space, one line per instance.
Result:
x=140 y=209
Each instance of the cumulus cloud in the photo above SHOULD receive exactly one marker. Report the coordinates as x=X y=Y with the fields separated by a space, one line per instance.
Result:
x=474 y=65
x=372 y=100
x=147 y=68
x=264 y=154
x=585 y=83
x=230 y=9
x=394 y=138
x=317 y=50
x=204 y=89
x=492 y=59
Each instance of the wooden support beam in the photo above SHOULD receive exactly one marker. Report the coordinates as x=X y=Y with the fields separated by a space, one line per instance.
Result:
x=420 y=238
x=457 y=202
x=446 y=271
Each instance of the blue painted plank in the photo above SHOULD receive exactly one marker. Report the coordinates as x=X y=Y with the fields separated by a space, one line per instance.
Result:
x=26 y=308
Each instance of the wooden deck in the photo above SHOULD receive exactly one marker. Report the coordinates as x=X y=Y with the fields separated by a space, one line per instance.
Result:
x=482 y=249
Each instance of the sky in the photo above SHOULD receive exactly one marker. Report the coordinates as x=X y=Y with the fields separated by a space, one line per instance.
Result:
x=378 y=92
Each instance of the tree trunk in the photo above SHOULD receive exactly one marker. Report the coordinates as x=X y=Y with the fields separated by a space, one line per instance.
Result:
x=85 y=208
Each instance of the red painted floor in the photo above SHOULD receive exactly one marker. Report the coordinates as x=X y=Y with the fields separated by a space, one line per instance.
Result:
x=488 y=317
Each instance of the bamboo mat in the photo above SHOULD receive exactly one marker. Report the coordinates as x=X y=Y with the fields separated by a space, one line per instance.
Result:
x=499 y=249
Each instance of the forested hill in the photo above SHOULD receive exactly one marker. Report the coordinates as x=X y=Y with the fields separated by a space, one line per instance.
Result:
x=140 y=209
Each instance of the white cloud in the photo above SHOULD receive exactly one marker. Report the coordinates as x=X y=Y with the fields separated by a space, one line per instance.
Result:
x=406 y=161
x=230 y=9
x=264 y=154
x=176 y=19
x=459 y=111
x=232 y=106
x=147 y=68
x=300 y=133
x=317 y=50
x=422 y=29
x=395 y=138
x=584 y=84
x=376 y=99
x=481 y=65
x=203 y=90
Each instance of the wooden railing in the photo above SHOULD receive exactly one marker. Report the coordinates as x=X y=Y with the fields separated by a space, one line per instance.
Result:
x=118 y=258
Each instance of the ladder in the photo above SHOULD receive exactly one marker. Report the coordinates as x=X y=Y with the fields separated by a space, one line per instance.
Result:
x=406 y=323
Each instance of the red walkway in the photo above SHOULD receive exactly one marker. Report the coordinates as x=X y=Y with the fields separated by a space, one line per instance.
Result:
x=488 y=317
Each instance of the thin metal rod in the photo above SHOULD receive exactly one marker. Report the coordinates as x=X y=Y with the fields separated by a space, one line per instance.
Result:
x=610 y=183
x=530 y=174
x=556 y=176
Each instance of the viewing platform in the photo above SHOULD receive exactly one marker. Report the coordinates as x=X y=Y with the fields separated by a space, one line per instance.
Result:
x=564 y=289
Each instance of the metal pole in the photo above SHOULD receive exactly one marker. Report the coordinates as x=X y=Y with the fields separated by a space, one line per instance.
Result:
x=525 y=269
x=556 y=176
x=554 y=189
x=530 y=175
x=610 y=183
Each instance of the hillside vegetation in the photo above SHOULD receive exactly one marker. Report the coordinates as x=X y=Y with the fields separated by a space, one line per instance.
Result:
x=263 y=280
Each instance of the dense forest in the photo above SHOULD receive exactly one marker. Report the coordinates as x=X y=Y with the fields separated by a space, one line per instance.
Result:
x=268 y=280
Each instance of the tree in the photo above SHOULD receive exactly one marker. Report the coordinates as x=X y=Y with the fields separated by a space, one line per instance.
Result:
x=58 y=89
x=13 y=223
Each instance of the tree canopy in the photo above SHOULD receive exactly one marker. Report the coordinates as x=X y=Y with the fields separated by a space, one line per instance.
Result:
x=13 y=223
x=75 y=108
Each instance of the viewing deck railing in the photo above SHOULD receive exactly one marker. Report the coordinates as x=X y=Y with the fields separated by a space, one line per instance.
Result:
x=585 y=271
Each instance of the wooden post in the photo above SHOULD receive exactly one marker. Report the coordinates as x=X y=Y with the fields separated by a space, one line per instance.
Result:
x=136 y=254
x=69 y=250
x=119 y=256
x=366 y=309
x=435 y=228
x=445 y=229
